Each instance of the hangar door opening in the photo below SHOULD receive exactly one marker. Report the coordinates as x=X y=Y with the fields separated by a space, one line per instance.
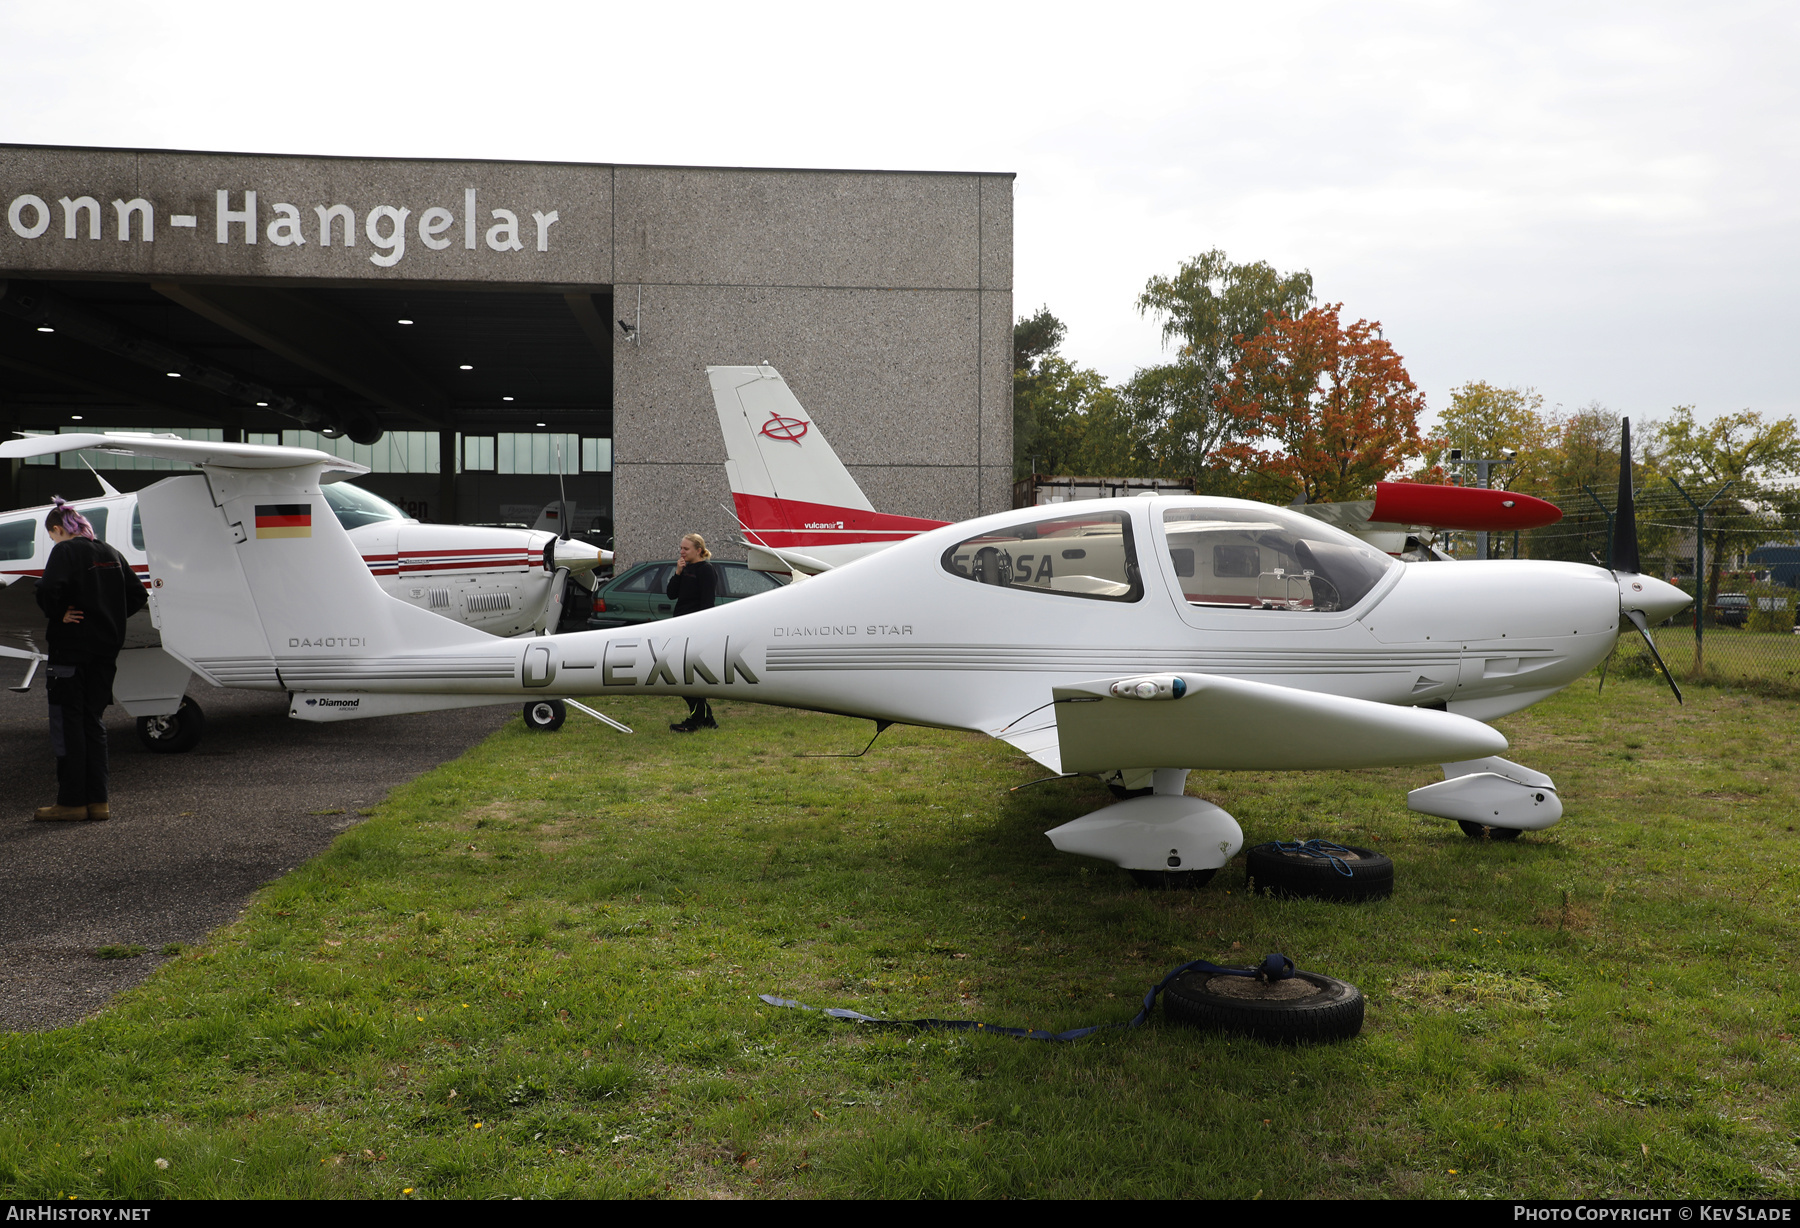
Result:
x=467 y=404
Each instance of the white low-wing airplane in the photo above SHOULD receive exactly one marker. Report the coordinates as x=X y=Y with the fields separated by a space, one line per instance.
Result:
x=801 y=511
x=502 y=581
x=1139 y=637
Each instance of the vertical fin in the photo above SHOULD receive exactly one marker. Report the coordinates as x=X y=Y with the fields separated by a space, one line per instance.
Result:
x=774 y=449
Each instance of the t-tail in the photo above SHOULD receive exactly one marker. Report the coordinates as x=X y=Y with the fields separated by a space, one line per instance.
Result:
x=799 y=508
x=255 y=584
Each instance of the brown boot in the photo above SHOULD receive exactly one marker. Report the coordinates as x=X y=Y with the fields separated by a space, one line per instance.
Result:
x=61 y=812
x=99 y=810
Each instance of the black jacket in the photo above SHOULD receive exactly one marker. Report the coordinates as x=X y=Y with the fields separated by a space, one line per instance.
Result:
x=95 y=579
x=695 y=587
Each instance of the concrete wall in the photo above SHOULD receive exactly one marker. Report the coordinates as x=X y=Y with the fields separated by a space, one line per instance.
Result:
x=884 y=299
x=187 y=185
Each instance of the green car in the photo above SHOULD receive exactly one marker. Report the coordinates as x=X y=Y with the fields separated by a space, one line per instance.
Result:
x=641 y=595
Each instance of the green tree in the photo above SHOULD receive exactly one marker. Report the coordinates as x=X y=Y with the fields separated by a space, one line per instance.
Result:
x=1038 y=393
x=1743 y=449
x=1212 y=307
x=1584 y=452
x=1209 y=311
x=1487 y=421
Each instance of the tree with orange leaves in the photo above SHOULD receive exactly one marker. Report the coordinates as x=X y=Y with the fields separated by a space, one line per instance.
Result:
x=1335 y=402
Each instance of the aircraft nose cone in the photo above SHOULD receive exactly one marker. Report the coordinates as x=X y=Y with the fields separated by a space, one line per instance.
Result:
x=577 y=555
x=1656 y=599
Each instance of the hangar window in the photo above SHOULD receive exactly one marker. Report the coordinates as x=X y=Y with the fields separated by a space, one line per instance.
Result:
x=531 y=452
x=1072 y=555
x=1268 y=558
x=394 y=452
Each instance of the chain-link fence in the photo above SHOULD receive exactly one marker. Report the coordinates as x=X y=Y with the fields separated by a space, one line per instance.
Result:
x=1745 y=548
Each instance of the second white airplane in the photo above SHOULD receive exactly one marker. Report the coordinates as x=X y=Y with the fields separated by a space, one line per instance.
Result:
x=502 y=581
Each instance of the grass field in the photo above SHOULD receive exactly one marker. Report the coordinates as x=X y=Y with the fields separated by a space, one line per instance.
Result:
x=533 y=972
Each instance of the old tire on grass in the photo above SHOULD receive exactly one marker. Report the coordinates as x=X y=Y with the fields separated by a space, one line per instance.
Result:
x=1171 y=880
x=1304 y=1007
x=1315 y=874
x=175 y=734
x=1479 y=831
x=545 y=715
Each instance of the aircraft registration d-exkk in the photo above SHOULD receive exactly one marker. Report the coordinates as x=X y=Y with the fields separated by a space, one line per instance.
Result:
x=1144 y=637
x=502 y=581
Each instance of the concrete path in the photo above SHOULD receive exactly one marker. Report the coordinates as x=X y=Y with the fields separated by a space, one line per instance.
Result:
x=191 y=835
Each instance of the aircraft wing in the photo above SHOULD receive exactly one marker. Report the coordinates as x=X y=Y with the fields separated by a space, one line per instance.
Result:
x=1209 y=722
x=174 y=448
x=1398 y=506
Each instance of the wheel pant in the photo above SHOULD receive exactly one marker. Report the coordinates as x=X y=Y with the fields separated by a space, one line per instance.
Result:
x=79 y=694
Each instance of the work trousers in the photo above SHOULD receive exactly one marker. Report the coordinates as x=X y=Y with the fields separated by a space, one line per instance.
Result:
x=79 y=695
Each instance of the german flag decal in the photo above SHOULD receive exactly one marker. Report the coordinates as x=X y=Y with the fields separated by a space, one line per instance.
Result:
x=284 y=520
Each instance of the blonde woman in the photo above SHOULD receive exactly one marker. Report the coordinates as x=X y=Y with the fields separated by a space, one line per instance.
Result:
x=694 y=586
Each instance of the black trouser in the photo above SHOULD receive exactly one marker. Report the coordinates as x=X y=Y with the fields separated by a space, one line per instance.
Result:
x=699 y=711
x=78 y=695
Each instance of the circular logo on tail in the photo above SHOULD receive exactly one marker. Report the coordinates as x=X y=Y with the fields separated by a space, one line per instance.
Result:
x=789 y=429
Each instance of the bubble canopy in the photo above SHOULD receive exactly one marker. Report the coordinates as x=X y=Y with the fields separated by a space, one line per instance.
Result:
x=1268 y=558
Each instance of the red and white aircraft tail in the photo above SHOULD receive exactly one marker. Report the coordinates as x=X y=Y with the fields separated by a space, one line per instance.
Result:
x=799 y=508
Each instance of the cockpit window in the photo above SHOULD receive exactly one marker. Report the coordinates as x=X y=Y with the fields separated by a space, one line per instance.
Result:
x=18 y=540
x=1268 y=558
x=1073 y=555
x=355 y=507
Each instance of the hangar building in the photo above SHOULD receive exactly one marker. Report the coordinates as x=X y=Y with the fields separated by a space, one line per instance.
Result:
x=469 y=328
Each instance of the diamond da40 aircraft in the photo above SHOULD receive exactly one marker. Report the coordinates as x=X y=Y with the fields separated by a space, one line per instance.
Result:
x=502 y=581
x=1141 y=637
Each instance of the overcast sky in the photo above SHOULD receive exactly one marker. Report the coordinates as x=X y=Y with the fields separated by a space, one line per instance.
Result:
x=1597 y=200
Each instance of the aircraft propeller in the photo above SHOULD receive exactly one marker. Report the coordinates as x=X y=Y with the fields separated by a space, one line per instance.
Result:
x=1622 y=556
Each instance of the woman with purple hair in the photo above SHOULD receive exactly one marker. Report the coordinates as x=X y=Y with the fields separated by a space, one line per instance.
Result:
x=87 y=591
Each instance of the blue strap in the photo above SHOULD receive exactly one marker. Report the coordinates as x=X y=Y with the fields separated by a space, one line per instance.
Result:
x=1274 y=967
x=1318 y=848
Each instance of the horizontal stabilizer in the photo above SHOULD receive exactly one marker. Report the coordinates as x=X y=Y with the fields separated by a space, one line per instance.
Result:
x=202 y=452
x=1229 y=723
